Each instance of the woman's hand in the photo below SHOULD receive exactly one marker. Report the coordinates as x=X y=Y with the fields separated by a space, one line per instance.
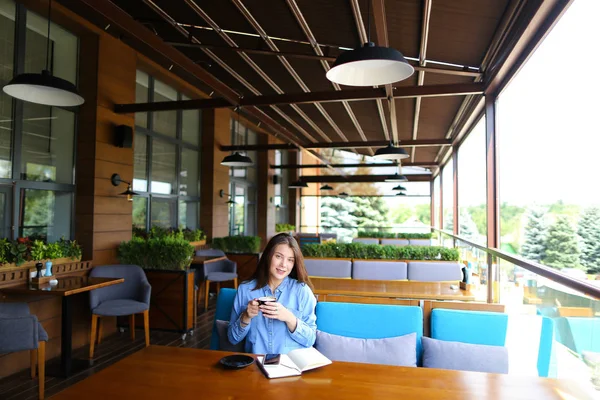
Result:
x=251 y=311
x=275 y=310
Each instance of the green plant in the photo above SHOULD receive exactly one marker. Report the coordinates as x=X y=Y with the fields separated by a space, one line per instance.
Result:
x=374 y=251
x=191 y=235
x=53 y=251
x=237 y=244
x=392 y=235
x=38 y=249
x=285 y=228
x=4 y=251
x=166 y=253
x=70 y=249
x=18 y=252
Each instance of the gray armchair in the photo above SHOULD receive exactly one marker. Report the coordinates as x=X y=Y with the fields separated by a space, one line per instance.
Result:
x=217 y=271
x=22 y=331
x=128 y=298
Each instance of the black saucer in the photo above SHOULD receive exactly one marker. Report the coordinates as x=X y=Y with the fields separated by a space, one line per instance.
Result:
x=236 y=361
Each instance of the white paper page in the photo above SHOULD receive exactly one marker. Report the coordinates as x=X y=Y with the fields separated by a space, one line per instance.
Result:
x=286 y=367
x=308 y=358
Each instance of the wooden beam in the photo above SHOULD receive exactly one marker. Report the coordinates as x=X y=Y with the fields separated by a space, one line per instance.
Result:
x=317 y=166
x=360 y=178
x=311 y=97
x=339 y=145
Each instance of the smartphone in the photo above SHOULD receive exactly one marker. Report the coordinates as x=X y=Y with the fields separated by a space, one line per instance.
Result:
x=272 y=359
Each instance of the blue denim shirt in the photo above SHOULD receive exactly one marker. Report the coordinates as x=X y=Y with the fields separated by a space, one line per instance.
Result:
x=271 y=336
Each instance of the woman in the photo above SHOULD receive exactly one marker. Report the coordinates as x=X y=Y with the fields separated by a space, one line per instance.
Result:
x=285 y=324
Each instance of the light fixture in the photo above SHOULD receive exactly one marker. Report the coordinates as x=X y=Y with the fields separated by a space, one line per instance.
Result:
x=299 y=184
x=343 y=194
x=236 y=159
x=399 y=188
x=397 y=177
x=44 y=88
x=230 y=201
x=391 y=152
x=116 y=180
x=370 y=65
x=326 y=187
x=400 y=194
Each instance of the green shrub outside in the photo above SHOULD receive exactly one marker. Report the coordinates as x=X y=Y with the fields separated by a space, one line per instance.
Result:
x=285 y=228
x=391 y=235
x=191 y=235
x=237 y=244
x=164 y=253
x=26 y=249
x=376 y=251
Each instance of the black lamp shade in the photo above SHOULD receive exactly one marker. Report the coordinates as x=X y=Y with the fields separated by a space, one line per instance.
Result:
x=343 y=194
x=399 y=188
x=129 y=193
x=391 y=152
x=326 y=187
x=370 y=65
x=298 y=185
x=44 y=88
x=237 y=160
x=400 y=194
x=397 y=178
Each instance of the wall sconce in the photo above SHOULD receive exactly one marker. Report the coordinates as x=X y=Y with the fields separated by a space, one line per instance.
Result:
x=230 y=201
x=116 y=180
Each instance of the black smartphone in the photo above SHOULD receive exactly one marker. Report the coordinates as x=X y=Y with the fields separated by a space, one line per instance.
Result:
x=271 y=359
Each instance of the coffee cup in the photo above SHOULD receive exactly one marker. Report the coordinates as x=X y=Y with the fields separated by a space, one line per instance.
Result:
x=265 y=299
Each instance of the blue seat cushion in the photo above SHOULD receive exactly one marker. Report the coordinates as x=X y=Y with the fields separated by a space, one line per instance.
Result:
x=221 y=276
x=476 y=327
x=42 y=334
x=223 y=313
x=115 y=308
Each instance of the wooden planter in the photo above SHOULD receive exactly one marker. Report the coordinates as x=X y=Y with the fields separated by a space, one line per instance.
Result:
x=198 y=244
x=31 y=264
x=171 y=302
x=246 y=264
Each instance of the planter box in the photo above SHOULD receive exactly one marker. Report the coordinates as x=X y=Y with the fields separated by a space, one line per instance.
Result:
x=198 y=244
x=31 y=264
x=172 y=301
x=246 y=264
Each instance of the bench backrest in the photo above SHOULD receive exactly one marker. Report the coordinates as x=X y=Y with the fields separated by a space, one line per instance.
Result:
x=379 y=270
x=328 y=268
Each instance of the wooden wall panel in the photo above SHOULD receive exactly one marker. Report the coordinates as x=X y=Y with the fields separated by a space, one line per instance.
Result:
x=265 y=192
x=109 y=205
x=110 y=240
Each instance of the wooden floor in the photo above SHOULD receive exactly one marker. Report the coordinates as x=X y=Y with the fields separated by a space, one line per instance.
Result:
x=112 y=349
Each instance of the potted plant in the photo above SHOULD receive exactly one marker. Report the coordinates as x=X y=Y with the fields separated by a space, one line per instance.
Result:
x=53 y=251
x=243 y=250
x=38 y=252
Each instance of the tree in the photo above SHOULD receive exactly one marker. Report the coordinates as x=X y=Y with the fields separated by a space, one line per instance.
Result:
x=536 y=230
x=336 y=216
x=561 y=245
x=369 y=211
x=466 y=226
x=588 y=230
x=422 y=212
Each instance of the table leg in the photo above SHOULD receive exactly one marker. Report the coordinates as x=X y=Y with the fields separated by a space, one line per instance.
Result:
x=66 y=337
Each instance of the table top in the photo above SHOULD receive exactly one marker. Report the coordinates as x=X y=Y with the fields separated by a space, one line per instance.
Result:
x=201 y=260
x=66 y=286
x=400 y=289
x=158 y=372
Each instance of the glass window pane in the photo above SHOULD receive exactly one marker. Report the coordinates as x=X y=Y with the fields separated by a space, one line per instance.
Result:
x=436 y=202
x=189 y=177
x=140 y=205
x=141 y=96
x=63 y=48
x=7 y=44
x=140 y=163
x=165 y=122
x=448 y=200
x=48 y=141
x=163 y=167
x=239 y=210
x=189 y=214
x=46 y=214
x=163 y=213
x=190 y=125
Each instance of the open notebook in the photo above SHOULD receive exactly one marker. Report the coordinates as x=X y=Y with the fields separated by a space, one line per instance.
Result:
x=294 y=363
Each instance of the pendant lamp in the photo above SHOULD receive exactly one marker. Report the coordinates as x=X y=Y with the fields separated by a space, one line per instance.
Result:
x=397 y=177
x=299 y=184
x=391 y=152
x=401 y=194
x=326 y=187
x=399 y=188
x=44 y=88
x=343 y=194
x=236 y=159
x=370 y=65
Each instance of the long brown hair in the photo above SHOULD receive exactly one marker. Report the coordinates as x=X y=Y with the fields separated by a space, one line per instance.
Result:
x=298 y=272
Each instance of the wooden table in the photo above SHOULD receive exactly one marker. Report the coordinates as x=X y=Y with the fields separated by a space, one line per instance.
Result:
x=158 y=372
x=65 y=288
x=391 y=289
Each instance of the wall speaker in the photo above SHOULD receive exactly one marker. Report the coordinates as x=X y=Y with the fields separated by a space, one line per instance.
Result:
x=276 y=179
x=124 y=136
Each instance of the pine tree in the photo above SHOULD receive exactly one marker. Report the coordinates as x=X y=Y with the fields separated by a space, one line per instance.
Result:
x=589 y=233
x=561 y=245
x=536 y=230
x=336 y=216
x=466 y=226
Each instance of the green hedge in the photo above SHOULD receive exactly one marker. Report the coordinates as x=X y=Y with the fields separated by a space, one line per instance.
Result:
x=376 y=251
x=27 y=249
x=191 y=235
x=391 y=235
x=285 y=228
x=237 y=244
x=167 y=252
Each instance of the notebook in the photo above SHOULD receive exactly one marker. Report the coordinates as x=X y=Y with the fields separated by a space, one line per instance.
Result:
x=294 y=363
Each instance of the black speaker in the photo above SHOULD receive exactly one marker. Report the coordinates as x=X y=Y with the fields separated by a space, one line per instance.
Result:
x=124 y=136
x=276 y=179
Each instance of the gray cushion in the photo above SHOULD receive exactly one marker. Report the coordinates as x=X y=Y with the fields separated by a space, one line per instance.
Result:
x=395 y=242
x=464 y=356
x=420 y=242
x=328 y=268
x=210 y=252
x=117 y=308
x=434 y=271
x=135 y=286
x=365 y=241
x=14 y=309
x=399 y=350
x=379 y=270
x=224 y=343
x=221 y=276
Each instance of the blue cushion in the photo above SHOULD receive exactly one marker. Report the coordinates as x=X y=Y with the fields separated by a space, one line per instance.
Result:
x=224 y=306
x=545 y=350
x=464 y=356
x=116 y=308
x=14 y=309
x=400 y=350
x=370 y=321
x=476 y=327
x=221 y=276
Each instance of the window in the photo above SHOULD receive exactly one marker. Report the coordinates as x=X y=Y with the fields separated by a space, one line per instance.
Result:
x=37 y=185
x=448 y=196
x=166 y=170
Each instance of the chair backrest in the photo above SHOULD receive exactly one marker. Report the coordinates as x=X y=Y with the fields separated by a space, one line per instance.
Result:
x=379 y=270
x=328 y=268
x=395 y=242
x=210 y=252
x=365 y=240
x=370 y=321
x=434 y=271
x=224 y=306
x=131 y=288
x=307 y=238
